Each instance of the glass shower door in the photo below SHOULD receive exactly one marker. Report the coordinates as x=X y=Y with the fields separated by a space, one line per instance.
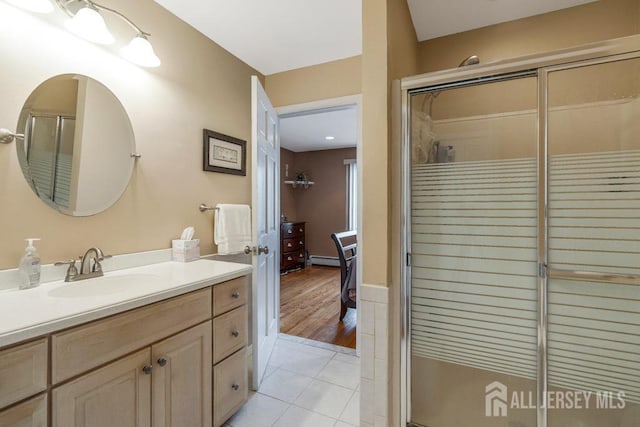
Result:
x=474 y=255
x=594 y=245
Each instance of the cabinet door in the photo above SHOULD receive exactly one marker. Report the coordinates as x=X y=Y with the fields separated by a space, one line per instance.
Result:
x=118 y=394
x=182 y=379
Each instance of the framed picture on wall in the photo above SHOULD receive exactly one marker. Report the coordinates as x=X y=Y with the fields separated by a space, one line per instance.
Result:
x=224 y=153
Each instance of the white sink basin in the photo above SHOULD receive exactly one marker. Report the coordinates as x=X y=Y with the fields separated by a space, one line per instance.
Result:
x=105 y=285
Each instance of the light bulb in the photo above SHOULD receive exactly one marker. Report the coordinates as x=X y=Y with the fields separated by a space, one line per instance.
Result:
x=38 y=6
x=89 y=24
x=140 y=52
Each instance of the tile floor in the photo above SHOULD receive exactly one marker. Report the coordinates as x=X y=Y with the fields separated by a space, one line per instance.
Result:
x=305 y=386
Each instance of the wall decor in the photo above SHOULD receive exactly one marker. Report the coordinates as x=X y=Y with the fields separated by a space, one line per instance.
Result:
x=224 y=153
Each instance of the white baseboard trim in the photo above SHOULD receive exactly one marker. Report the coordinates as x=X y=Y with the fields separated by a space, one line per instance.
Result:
x=325 y=260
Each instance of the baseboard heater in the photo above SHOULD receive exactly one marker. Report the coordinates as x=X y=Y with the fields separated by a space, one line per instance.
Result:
x=324 y=260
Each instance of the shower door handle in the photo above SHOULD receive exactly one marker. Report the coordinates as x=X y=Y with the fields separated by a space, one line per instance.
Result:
x=593 y=276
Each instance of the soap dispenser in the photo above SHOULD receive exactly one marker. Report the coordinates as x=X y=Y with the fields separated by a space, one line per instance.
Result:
x=29 y=269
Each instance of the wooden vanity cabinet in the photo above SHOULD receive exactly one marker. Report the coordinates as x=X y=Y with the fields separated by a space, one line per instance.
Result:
x=166 y=383
x=151 y=366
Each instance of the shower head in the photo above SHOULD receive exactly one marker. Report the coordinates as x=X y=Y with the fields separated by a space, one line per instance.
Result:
x=472 y=60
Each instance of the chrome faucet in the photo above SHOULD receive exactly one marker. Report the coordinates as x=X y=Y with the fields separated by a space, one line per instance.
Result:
x=87 y=269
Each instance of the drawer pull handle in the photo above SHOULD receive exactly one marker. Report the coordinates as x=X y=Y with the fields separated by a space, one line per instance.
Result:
x=301 y=242
x=147 y=369
x=289 y=259
x=289 y=245
x=236 y=334
x=301 y=230
x=162 y=361
x=235 y=295
x=290 y=231
x=235 y=386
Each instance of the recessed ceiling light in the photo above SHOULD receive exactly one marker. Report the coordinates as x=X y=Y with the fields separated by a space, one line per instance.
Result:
x=329 y=138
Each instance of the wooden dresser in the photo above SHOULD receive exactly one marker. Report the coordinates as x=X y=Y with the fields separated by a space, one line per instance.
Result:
x=292 y=246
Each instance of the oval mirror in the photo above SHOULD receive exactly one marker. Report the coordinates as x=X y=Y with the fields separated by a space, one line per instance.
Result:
x=78 y=140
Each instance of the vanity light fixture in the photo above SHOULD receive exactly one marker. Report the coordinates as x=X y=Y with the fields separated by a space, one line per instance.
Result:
x=38 y=6
x=88 y=23
x=140 y=52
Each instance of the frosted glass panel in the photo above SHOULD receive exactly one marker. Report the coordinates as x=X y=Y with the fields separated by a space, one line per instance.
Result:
x=594 y=228
x=473 y=244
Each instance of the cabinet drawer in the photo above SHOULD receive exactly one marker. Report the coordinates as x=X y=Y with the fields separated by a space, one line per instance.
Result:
x=23 y=371
x=229 y=295
x=229 y=333
x=290 y=230
x=293 y=258
x=229 y=387
x=289 y=245
x=84 y=347
x=32 y=413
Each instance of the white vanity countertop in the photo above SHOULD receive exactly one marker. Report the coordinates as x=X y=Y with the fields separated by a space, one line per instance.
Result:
x=26 y=314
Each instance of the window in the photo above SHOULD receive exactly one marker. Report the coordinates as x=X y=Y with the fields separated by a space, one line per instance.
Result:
x=352 y=194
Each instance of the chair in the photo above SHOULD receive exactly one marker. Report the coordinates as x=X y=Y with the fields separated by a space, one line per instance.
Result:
x=346 y=246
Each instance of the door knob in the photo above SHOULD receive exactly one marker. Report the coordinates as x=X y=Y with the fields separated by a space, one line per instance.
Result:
x=263 y=250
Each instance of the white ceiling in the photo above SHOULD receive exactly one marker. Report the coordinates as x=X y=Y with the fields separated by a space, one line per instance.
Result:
x=307 y=131
x=437 y=18
x=273 y=36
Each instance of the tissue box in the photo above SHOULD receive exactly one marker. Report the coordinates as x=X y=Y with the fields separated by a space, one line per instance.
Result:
x=185 y=250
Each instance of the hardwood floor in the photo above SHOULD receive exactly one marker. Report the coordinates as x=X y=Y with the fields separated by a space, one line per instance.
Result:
x=310 y=307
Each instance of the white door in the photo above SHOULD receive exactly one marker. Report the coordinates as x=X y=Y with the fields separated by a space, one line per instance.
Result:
x=265 y=151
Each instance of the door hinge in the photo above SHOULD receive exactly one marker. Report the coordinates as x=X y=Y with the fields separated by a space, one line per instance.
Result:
x=408 y=259
x=542 y=270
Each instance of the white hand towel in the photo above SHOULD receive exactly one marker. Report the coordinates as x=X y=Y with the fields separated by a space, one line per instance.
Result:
x=232 y=228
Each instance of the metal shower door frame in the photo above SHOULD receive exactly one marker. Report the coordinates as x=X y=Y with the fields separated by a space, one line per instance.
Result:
x=532 y=65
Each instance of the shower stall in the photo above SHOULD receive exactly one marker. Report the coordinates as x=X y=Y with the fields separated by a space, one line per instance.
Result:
x=522 y=240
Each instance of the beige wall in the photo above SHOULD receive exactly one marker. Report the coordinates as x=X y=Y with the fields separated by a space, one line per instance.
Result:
x=375 y=165
x=389 y=52
x=199 y=85
x=600 y=20
x=318 y=82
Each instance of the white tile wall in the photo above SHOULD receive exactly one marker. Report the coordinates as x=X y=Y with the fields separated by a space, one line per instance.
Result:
x=374 y=359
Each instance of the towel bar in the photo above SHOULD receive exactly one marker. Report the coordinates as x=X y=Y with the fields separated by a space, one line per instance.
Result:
x=204 y=208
